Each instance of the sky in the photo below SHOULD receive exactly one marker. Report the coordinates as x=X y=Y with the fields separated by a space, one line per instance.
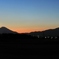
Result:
x=29 y=15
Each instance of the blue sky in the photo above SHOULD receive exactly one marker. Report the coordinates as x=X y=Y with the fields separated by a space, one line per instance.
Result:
x=29 y=15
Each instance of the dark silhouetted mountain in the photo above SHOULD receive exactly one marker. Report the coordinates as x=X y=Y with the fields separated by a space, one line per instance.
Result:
x=49 y=32
x=6 y=30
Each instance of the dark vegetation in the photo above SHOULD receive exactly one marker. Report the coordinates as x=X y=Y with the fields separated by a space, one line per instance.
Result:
x=27 y=46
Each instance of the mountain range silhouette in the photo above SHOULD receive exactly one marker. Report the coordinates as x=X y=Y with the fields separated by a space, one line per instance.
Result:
x=49 y=32
x=5 y=30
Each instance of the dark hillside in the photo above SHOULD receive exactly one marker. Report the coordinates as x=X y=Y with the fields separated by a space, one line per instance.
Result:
x=25 y=46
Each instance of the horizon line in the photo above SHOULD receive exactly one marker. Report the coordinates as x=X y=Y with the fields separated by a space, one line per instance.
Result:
x=30 y=31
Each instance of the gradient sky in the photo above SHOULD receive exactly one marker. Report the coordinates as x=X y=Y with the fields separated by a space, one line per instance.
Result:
x=29 y=15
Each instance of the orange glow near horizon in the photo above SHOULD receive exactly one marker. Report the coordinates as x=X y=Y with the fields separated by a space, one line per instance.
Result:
x=28 y=30
x=23 y=30
x=24 y=16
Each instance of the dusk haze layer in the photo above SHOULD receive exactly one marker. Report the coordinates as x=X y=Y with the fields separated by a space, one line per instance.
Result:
x=29 y=15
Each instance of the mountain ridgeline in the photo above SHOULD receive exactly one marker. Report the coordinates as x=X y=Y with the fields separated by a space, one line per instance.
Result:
x=6 y=31
x=49 y=32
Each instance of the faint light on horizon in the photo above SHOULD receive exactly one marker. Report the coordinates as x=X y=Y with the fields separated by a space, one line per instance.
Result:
x=51 y=37
x=56 y=37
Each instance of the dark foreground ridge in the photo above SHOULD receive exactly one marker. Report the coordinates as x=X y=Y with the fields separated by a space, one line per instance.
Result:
x=35 y=45
x=27 y=46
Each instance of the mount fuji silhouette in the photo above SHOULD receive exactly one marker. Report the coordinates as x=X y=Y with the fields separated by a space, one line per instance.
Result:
x=6 y=30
